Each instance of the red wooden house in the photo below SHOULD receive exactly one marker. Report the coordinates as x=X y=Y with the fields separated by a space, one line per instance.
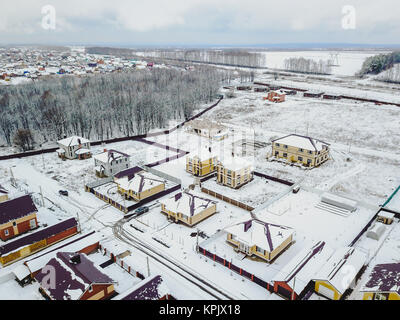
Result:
x=17 y=216
x=276 y=96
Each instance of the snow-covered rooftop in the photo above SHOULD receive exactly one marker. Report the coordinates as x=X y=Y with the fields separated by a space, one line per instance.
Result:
x=73 y=141
x=140 y=182
x=262 y=234
x=302 y=142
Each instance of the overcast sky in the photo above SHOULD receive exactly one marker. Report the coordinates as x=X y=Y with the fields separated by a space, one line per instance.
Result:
x=199 y=22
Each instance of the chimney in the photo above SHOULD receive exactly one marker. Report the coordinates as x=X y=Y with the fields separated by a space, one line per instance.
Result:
x=76 y=259
x=105 y=150
x=247 y=225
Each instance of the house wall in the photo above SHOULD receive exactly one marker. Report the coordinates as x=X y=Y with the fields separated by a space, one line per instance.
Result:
x=70 y=151
x=268 y=256
x=191 y=220
x=292 y=154
x=99 y=292
x=147 y=193
x=371 y=296
x=22 y=226
x=272 y=94
x=201 y=168
x=326 y=284
x=229 y=178
x=3 y=198
x=112 y=167
x=39 y=245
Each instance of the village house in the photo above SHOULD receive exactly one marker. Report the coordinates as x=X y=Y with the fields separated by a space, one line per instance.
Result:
x=201 y=163
x=76 y=278
x=3 y=194
x=299 y=149
x=260 y=239
x=17 y=216
x=296 y=276
x=313 y=94
x=234 y=172
x=35 y=241
x=385 y=217
x=141 y=186
x=74 y=148
x=188 y=207
x=383 y=283
x=276 y=96
x=330 y=280
x=207 y=129
x=110 y=162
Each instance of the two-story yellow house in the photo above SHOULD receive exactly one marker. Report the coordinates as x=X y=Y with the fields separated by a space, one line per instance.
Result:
x=202 y=163
x=258 y=238
x=141 y=186
x=299 y=149
x=234 y=172
x=383 y=283
x=188 y=207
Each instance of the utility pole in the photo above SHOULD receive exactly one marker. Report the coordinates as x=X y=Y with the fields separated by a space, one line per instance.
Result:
x=197 y=241
x=148 y=266
x=41 y=193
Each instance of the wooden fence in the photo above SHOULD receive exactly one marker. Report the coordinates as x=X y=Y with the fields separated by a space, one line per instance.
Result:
x=227 y=199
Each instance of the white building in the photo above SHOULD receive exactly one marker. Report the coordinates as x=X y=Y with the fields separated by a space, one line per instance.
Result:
x=74 y=148
x=110 y=162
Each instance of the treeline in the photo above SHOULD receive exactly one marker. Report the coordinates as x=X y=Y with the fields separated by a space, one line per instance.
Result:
x=378 y=63
x=304 y=65
x=238 y=58
x=103 y=106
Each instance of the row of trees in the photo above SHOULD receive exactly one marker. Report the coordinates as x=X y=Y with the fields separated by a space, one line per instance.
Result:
x=240 y=58
x=310 y=66
x=378 y=63
x=103 y=106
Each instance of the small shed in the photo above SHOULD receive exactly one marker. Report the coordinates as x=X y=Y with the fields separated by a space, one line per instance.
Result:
x=376 y=231
x=385 y=217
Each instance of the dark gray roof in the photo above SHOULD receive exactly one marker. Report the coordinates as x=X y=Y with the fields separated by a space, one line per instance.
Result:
x=130 y=173
x=147 y=291
x=71 y=276
x=384 y=278
x=37 y=236
x=16 y=208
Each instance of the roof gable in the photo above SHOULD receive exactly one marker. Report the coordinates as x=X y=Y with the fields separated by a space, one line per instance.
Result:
x=16 y=208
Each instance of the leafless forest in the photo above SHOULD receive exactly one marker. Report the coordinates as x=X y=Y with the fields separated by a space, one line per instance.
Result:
x=104 y=106
x=307 y=66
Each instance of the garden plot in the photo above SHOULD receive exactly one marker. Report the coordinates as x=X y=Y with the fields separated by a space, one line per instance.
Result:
x=254 y=193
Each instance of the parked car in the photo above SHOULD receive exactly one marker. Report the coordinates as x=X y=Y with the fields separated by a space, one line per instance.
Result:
x=63 y=193
x=141 y=210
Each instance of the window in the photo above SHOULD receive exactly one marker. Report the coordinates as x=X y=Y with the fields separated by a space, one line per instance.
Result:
x=301 y=150
x=90 y=288
x=14 y=224
x=380 y=296
x=277 y=144
x=285 y=146
x=6 y=233
x=309 y=161
x=300 y=158
x=285 y=155
x=309 y=152
x=276 y=153
x=260 y=250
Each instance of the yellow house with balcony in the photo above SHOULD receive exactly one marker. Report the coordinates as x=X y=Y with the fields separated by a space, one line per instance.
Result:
x=141 y=186
x=260 y=239
x=189 y=208
x=303 y=150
